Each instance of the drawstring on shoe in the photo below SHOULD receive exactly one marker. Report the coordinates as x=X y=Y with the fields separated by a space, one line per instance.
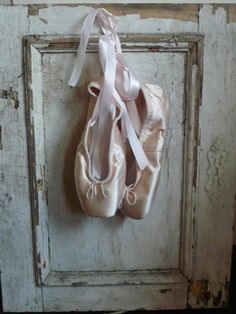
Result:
x=93 y=191
x=120 y=83
x=129 y=195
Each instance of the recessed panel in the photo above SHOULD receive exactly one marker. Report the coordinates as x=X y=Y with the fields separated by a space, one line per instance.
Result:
x=81 y=243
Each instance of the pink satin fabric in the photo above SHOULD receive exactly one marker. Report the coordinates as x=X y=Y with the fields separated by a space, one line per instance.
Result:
x=120 y=83
x=141 y=186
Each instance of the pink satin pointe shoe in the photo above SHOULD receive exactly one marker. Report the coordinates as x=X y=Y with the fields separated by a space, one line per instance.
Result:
x=100 y=175
x=151 y=124
x=100 y=166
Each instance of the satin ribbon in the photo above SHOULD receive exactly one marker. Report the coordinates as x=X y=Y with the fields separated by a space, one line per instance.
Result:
x=107 y=23
x=119 y=82
x=103 y=103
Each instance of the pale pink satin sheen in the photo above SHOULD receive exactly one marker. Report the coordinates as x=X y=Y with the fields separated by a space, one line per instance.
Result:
x=119 y=83
x=138 y=195
x=99 y=198
x=109 y=172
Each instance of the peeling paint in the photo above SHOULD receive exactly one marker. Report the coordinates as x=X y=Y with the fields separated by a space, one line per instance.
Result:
x=199 y=290
x=2 y=178
x=1 y=146
x=217 y=294
x=11 y=95
x=165 y=290
x=34 y=9
x=186 y=12
x=39 y=185
x=44 y=20
x=49 y=239
x=3 y=94
x=5 y=199
x=39 y=268
x=230 y=10
x=216 y=158
x=208 y=294
x=42 y=170
x=161 y=11
x=79 y=283
x=217 y=299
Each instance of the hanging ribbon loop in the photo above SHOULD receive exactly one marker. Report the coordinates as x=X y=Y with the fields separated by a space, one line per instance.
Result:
x=120 y=82
x=126 y=82
x=107 y=24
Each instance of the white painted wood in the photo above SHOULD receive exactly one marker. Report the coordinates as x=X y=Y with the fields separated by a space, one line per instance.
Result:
x=16 y=256
x=20 y=2
x=217 y=181
x=5 y=2
x=234 y=241
x=115 y=278
x=207 y=237
x=63 y=193
x=54 y=20
x=37 y=25
x=117 y=243
x=42 y=230
x=142 y=297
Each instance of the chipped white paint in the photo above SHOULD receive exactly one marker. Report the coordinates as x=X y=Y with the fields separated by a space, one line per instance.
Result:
x=141 y=297
x=117 y=243
x=54 y=20
x=234 y=227
x=119 y=251
x=115 y=278
x=217 y=181
x=17 y=274
x=205 y=260
x=19 y=2
x=42 y=231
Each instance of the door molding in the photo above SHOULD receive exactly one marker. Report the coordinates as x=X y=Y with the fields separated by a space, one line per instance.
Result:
x=191 y=45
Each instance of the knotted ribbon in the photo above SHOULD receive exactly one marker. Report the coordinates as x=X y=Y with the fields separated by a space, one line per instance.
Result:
x=120 y=82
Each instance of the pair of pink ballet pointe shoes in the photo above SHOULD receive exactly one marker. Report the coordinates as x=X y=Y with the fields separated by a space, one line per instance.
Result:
x=123 y=185
x=117 y=164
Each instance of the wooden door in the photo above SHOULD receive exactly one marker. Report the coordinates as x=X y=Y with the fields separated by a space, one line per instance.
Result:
x=53 y=257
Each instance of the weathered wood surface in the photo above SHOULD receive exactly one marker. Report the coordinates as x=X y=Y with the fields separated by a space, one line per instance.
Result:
x=234 y=240
x=139 y=298
x=216 y=178
x=16 y=259
x=215 y=181
x=115 y=278
x=97 y=260
x=117 y=243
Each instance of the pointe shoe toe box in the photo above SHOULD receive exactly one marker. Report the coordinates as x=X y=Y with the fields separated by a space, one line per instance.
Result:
x=100 y=198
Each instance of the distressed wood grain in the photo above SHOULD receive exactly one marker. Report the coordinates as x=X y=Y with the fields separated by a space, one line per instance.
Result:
x=139 y=298
x=45 y=101
x=17 y=274
x=234 y=228
x=50 y=100
x=145 y=11
x=216 y=177
x=115 y=278
x=44 y=20
x=98 y=244
x=203 y=277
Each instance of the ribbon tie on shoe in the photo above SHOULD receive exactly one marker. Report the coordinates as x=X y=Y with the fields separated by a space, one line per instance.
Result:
x=93 y=190
x=120 y=83
x=129 y=194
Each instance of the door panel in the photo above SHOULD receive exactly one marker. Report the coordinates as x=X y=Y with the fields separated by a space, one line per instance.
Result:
x=179 y=255
x=76 y=249
x=81 y=243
